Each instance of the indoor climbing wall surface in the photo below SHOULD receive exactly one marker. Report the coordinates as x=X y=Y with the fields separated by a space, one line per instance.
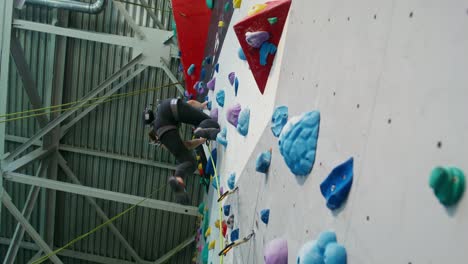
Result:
x=389 y=81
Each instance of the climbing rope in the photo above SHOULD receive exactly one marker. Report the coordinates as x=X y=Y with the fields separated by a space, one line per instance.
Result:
x=221 y=238
x=106 y=99
x=55 y=252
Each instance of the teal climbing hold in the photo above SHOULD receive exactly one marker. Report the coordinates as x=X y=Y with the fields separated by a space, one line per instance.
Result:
x=205 y=254
x=191 y=69
x=241 y=54
x=263 y=162
x=335 y=254
x=272 y=20
x=325 y=250
x=201 y=208
x=266 y=49
x=279 y=120
x=221 y=137
x=231 y=182
x=243 y=122
x=227 y=6
x=298 y=142
x=448 y=184
x=210 y=4
x=309 y=254
x=220 y=95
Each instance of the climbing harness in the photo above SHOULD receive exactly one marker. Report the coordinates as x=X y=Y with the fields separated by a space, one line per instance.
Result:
x=236 y=244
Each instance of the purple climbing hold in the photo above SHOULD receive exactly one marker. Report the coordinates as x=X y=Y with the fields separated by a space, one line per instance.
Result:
x=276 y=252
x=256 y=39
x=236 y=85
x=232 y=77
x=233 y=114
x=265 y=216
x=211 y=84
x=214 y=114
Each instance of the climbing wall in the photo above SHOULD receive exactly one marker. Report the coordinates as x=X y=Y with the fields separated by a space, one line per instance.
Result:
x=389 y=81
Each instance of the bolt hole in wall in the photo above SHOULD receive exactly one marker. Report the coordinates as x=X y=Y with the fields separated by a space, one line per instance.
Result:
x=357 y=106
x=375 y=16
x=411 y=14
x=439 y=144
x=389 y=121
x=349 y=18
x=367 y=218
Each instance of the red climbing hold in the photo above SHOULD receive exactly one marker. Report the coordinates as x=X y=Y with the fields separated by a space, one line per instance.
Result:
x=259 y=22
x=224 y=228
x=193 y=22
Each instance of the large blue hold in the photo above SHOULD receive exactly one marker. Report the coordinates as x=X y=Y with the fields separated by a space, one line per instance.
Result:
x=279 y=119
x=324 y=239
x=231 y=182
x=265 y=216
x=263 y=162
x=226 y=210
x=234 y=235
x=324 y=250
x=335 y=254
x=221 y=137
x=309 y=254
x=335 y=188
x=243 y=122
x=209 y=170
x=298 y=142
x=220 y=98
x=266 y=49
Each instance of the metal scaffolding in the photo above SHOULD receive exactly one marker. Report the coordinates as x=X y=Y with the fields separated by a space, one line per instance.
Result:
x=53 y=127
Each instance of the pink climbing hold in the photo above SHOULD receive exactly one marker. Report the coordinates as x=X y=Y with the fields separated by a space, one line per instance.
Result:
x=276 y=252
x=233 y=114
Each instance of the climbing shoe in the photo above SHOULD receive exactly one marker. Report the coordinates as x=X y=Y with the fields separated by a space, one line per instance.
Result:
x=178 y=186
x=208 y=133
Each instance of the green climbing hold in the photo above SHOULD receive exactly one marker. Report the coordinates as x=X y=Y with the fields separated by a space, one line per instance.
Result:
x=272 y=20
x=227 y=6
x=205 y=254
x=201 y=208
x=448 y=184
x=210 y=4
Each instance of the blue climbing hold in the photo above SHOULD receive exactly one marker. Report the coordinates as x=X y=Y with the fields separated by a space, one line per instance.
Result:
x=217 y=67
x=226 y=210
x=335 y=188
x=181 y=68
x=215 y=182
x=234 y=235
x=279 y=119
x=263 y=162
x=221 y=137
x=236 y=85
x=202 y=74
x=231 y=182
x=220 y=98
x=208 y=60
x=309 y=254
x=241 y=54
x=191 y=69
x=298 y=142
x=208 y=105
x=266 y=49
x=243 y=122
x=335 y=254
x=265 y=216
x=200 y=87
x=324 y=239
x=209 y=169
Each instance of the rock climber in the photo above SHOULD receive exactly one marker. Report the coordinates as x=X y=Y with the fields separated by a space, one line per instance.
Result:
x=169 y=115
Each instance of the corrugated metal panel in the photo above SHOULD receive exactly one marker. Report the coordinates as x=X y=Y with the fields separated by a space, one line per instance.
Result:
x=114 y=127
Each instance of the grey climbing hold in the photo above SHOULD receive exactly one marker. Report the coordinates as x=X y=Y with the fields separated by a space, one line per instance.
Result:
x=221 y=137
x=231 y=182
x=265 y=216
x=279 y=119
x=243 y=122
x=232 y=114
x=298 y=142
x=230 y=221
x=220 y=98
x=263 y=162
x=256 y=39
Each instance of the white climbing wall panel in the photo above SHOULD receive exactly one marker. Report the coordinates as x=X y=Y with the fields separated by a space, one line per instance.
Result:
x=390 y=80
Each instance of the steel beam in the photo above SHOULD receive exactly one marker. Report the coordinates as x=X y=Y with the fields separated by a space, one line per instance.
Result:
x=101 y=154
x=71 y=253
x=175 y=250
x=101 y=194
x=67 y=126
x=51 y=125
x=129 y=19
x=152 y=14
x=27 y=211
x=6 y=199
x=69 y=173
x=171 y=76
x=37 y=154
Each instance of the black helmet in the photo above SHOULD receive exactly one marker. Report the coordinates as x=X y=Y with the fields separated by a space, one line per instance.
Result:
x=148 y=116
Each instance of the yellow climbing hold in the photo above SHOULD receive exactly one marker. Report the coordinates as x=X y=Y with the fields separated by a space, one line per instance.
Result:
x=221 y=24
x=217 y=224
x=212 y=244
x=236 y=3
x=200 y=166
x=256 y=9
x=208 y=232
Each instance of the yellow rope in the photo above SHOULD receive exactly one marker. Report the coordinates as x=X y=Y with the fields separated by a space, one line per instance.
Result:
x=44 y=258
x=221 y=238
x=113 y=97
